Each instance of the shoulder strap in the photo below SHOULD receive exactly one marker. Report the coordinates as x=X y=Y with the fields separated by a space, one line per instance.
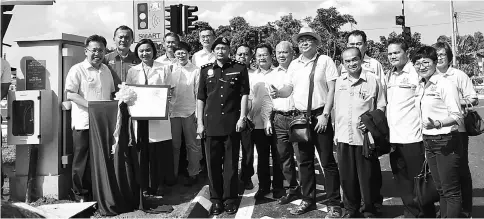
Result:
x=311 y=86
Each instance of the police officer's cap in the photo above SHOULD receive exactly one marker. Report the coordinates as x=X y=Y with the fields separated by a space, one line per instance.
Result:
x=183 y=45
x=220 y=40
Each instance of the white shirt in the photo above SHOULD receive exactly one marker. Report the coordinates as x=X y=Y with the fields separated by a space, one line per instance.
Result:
x=185 y=79
x=166 y=61
x=299 y=72
x=203 y=57
x=370 y=65
x=90 y=83
x=277 y=77
x=464 y=86
x=402 y=114
x=261 y=105
x=159 y=74
x=438 y=100
x=6 y=74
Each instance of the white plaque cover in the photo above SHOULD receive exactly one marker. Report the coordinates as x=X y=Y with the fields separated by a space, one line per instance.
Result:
x=151 y=103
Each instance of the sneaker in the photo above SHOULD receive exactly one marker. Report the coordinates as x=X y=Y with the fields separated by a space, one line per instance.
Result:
x=334 y=212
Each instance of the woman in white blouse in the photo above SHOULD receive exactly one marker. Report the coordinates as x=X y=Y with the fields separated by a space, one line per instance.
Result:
x=153 y=136
x=440 y=111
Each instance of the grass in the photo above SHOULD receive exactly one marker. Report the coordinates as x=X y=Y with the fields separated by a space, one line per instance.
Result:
x=8 y=155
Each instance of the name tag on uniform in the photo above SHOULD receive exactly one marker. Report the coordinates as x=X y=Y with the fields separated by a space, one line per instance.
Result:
x=233 y=73
x=111 y=62
x=343 y=88
x=408 y=86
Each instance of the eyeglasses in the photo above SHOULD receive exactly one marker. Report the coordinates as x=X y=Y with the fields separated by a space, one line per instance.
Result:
x=441 y=55
x=355 y=44
x=99 y=51
x=422 y=64
x=181 y=53
x=301 y=41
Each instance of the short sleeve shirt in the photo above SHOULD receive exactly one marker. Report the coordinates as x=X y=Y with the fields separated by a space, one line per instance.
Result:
x=202 y=57
x=119 y=66
x=370 y=65
x=90 y=83
x=464 y=86
x=277 y=77
x=353 y=98
x=402 y=114
x=166 y=61
x=185 y=79
x=222 y=88
x=299 y=72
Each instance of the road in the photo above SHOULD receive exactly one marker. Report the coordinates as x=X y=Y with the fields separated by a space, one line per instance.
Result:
x=392 y=206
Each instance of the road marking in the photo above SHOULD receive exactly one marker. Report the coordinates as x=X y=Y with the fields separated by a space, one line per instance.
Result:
x=247 y=204
x=319 y=207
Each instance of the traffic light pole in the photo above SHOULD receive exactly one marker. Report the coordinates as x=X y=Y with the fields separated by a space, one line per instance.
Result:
x=403 y=14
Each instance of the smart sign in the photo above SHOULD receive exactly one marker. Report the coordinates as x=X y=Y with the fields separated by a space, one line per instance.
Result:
x=148 y=20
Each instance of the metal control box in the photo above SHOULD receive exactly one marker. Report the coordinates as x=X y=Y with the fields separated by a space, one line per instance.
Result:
x=30 y=117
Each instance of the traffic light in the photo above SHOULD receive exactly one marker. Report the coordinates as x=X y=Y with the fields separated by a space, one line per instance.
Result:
x=142 y=16
x=407 y=34
x=174 y=19
x=400 y=20
x=189 y=18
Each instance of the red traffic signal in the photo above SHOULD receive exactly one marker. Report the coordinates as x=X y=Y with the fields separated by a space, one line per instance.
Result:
x=400 y=20
x=142 y=10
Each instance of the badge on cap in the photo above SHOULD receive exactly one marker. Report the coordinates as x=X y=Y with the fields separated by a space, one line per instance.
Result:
x=210 y=72
x=224 y=40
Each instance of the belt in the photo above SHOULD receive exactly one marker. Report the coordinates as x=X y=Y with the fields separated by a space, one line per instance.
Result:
x=286 y=113
x=314 y=112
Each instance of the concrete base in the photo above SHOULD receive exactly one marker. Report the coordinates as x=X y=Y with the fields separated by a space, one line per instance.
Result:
x=56 y=187
x=200 y=206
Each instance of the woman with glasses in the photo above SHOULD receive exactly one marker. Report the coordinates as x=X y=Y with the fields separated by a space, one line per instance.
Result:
x=153 y=136
x=441 y=114
x=185 y=78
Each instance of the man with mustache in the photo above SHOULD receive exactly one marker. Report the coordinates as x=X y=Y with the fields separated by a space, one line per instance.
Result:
x=204 y=56
x=298 y=84
x=121 y=59
x=356 y=93
x=89 y=80
x=171 y=42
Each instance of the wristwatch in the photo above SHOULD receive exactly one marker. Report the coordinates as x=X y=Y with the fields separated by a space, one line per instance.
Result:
x=326 y=115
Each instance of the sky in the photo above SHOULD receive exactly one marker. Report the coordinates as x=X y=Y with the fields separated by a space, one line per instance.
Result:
x=376 y=18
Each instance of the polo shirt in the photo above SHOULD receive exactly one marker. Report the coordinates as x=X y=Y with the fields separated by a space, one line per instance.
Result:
x=166 y=61
x=277 y=77
x=203 y=57
x=402 y=114
x=299 y=72
x=119 y=65
x=158 y=74
x=351 y=100
x=261 y=103
x=464 y=86
x=90 y=83
x=439 y=99
x=370 y=65
x=185 y=79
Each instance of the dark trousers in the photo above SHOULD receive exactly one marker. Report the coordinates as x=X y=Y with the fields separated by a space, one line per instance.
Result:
x=247 y=163
x=466 y=177
x=156 y=165
x=443 y=156
x=324 y=144
x=266 y=147
x=81 y=168
x=286 y=152
x=406 y=162
x=222 y=164
x=357 y=176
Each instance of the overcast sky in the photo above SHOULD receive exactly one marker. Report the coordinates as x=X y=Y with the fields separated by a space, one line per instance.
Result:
x=376 y=18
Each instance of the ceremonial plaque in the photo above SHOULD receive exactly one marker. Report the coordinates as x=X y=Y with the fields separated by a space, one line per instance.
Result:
x=35 y=74
x=151 y=102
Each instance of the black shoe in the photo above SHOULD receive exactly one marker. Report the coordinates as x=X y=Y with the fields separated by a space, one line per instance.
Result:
x=261 y=193
x=248 y=185
x=288 y=199
x=191 y=180
x=350 y=215
x=231 y=208
x=216 y=209
x=304 y=207
x=277 y=194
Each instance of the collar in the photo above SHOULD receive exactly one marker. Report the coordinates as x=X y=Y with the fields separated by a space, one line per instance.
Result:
x=434 y=78
x=88 y=65
x=363 y=76
x=259 y=70
x=204 y=52
x=406 y=68
x=187 y=66
x=156 y=65
x=449 y=72
x=215 y=65
x=280 y=68
x=366 y=59
x=299 y=59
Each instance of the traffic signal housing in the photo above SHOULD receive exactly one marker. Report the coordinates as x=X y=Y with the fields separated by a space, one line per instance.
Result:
x=189 y=18
x=400 y=20
x=142 y=11
x=407 y=34
x=174 y=19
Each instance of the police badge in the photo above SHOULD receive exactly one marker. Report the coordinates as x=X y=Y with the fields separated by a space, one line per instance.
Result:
x=210 y=73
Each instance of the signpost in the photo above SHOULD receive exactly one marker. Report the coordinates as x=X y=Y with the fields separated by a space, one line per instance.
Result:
x=148 y=20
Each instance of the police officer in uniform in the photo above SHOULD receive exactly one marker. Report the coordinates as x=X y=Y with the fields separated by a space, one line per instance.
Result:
x=222 y=103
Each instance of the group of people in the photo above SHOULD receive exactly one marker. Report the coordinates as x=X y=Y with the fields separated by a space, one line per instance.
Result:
x=234 y=108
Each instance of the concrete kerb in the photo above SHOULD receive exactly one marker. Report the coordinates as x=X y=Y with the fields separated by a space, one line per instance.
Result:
x=199 y=207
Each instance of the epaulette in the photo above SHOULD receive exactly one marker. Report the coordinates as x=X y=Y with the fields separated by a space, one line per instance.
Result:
x=206 y=65
x=237 y=61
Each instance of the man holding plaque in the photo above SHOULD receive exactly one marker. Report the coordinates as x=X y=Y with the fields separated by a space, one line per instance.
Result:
x=222 y=106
